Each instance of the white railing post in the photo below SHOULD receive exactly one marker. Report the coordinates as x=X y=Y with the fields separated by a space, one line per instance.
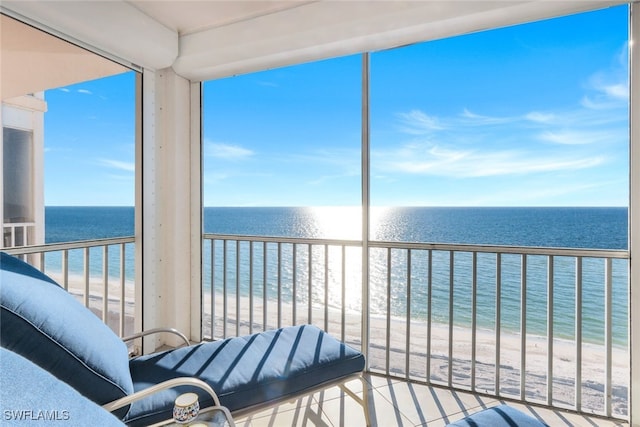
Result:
x=634 y=215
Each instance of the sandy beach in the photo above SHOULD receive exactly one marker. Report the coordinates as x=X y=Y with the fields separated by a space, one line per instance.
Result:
x=412 y=364
x=388 y=354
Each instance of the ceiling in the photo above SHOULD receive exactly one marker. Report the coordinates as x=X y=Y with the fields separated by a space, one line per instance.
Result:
x=207 y=39
x=191 y=16
x=33 y=61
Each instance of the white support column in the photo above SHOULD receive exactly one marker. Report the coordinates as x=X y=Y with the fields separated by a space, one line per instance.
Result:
x=170 y=194
x=38 y=168
x=196 y=211
x=634 y=216
x=147 y=246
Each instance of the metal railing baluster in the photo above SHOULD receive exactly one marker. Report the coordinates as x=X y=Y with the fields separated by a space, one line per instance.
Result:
x=498 y=321
x=407 y=367
x=310 y=285
x=451 y=294
x=279 y=284
x=251 y=284
x=343 y=296
x=65 y=269
x=87 y=277
x=474 y=317
x=213 y=289
x=608 y=340
x=238 y=288
x=523 y=326
x=326 y=288
x=225 y=293
x=105 y=283
x=294 y=285
x=123 y=281
x=264 y=285
x=429 y=310
x=578 y=333
x=388 y=314
x=550 y=317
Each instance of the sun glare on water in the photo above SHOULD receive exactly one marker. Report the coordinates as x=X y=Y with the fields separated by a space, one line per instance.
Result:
x=344 y=222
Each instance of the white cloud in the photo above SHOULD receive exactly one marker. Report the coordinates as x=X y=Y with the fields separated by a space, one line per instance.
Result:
x=609 y=88
x=416 y=122
x=538 y=117
x=617 y=90
x=85 y=91
x=227 y=151
x=439 y=161
x=482 y=120
x=568 y=137
x=117 y=164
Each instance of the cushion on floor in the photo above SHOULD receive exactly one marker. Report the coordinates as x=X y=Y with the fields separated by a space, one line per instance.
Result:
x=499 y=416
x=245 y=371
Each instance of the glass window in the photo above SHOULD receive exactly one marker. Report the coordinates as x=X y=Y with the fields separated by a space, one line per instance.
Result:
x=533 y=115
x=18 y=173
x=285 y=141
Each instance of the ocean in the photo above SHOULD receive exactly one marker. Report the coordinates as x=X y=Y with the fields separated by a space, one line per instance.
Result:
x=595 y=228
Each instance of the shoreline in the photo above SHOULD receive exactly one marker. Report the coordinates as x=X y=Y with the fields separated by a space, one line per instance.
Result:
x=536 y=362
x=393 y=347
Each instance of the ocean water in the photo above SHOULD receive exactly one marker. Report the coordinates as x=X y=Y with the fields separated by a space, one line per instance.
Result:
x=601 y=228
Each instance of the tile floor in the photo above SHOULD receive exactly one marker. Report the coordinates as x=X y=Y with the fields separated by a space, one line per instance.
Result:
x=398 y=403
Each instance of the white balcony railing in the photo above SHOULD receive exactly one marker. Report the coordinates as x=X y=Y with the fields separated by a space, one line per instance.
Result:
x=16 y=234
x=545 y=326
x=541 y=325
x=99 y=273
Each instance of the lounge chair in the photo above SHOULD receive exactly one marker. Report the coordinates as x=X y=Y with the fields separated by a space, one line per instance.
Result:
x=45 y=324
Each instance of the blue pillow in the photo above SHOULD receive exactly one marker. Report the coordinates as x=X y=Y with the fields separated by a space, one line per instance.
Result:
x=47 y=325
x=30 y=396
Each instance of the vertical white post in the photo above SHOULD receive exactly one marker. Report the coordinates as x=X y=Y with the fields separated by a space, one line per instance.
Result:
x=145 y=212
x=365 y=206
x=38 y=171
x=634 y=216
x=196 y=210
x=170 y=238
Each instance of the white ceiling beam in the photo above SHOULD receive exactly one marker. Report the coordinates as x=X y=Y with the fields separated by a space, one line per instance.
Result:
x=113 y=27
x=335 y=28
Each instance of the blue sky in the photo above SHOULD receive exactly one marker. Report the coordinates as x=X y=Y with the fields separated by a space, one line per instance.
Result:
x=90 y=143
x=531 y=115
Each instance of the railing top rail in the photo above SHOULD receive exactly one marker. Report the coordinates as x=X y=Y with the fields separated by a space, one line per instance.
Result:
x=50 y=247
x=455 y=247
x=274 y=239
x=520 y=250
x=18 y=224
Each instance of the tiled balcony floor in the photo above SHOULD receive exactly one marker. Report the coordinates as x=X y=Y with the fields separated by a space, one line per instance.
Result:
x=398 y=403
